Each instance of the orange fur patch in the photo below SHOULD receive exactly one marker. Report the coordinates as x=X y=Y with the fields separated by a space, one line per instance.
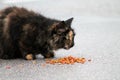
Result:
x=53 y=26
x=70 y=35
x=6 y=26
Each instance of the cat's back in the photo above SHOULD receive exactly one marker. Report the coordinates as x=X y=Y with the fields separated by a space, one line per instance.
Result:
x=20 y=15
x=16 y=11
x=14 y=16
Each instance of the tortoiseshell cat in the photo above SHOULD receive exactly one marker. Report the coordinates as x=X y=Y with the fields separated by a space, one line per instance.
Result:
x=23 y=34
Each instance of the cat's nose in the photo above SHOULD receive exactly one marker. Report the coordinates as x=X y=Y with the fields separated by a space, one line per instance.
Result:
x=72 y=45
x=66 y=47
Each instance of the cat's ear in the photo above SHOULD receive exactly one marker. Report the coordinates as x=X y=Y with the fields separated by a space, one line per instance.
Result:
x=61 y=24
x=69 y=21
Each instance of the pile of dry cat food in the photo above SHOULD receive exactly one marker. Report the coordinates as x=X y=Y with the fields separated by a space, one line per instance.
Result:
x=66 y=60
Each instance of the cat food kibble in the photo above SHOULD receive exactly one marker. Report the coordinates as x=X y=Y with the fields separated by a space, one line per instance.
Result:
x=8 y=67
x=67 y=60
x=89 y=60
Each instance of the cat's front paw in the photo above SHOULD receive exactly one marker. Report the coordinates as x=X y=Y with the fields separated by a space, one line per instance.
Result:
x=30 y=57
x=49 y=55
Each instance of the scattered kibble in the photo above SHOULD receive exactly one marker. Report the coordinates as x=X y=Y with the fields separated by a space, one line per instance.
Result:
x=89 y=60
x=43 y=65
x=8 y=67
x=66 y=60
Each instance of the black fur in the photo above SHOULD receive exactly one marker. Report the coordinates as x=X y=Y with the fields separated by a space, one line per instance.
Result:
x=24 y=32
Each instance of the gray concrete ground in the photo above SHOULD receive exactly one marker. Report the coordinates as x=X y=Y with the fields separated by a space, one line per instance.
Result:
x=97 y=27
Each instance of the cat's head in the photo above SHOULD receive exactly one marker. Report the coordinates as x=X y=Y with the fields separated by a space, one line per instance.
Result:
x=62 y=35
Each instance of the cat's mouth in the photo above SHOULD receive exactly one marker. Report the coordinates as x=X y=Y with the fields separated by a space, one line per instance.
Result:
x=65 y=47
x=68 y=46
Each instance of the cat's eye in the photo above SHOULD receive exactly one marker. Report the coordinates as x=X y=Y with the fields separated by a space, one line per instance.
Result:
x=60 y=31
